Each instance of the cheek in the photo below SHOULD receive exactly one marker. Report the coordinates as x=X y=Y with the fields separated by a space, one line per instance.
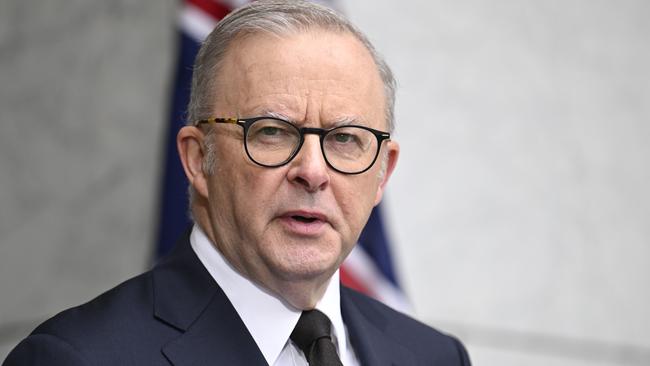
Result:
x=254 y=192
x=229 y=185
x=357 y=201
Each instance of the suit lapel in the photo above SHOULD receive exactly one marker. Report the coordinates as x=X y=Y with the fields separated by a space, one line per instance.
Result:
x=187 y=298
x=369 y=335
x=218 y=337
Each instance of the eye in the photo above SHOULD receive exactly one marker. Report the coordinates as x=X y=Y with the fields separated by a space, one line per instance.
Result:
x=269 y=131
x=343 y=138
x=272 y=133
x=348 y=141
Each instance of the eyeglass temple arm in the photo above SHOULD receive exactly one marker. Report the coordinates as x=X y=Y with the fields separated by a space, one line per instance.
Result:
x=217 y=120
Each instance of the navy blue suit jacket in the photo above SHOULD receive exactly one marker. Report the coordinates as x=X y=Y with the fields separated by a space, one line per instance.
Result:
x=175 y=314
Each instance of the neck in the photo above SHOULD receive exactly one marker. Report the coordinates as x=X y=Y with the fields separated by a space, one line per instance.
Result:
x=302 y=294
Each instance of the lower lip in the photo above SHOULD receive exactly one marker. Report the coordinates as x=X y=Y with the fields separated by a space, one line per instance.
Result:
x=303 y=228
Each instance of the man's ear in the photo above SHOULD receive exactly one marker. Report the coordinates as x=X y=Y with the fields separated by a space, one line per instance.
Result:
x=189 y=142
x=391 y=161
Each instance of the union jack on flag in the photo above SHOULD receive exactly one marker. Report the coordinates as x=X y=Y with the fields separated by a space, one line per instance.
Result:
x=369 y=268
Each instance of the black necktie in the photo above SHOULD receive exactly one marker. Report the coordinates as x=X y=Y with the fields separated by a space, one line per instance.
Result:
x=312 y=335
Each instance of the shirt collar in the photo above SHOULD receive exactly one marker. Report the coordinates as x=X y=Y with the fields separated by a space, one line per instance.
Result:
x=271 y=327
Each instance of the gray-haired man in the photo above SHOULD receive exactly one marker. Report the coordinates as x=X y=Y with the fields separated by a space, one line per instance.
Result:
x=287 y=150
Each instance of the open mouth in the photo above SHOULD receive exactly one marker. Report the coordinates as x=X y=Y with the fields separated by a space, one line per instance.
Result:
x=305 y=223
x=304 y=219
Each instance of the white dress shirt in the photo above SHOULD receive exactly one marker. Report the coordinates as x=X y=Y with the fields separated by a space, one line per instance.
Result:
x=268 y=319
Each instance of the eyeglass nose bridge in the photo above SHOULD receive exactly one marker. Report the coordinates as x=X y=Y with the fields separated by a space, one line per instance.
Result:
x=321 y=132
x=313 y=131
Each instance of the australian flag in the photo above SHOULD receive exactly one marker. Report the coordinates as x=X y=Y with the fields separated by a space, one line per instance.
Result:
x=369 y=268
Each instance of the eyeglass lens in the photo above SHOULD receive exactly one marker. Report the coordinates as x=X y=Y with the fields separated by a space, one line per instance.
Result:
x=349 y=149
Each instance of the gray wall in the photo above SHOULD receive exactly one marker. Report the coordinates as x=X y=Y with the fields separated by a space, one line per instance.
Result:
x=83 y=87
x=519 y=207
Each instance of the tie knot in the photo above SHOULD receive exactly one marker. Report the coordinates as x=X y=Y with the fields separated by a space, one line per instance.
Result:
x=312 y=335
x=312 y=325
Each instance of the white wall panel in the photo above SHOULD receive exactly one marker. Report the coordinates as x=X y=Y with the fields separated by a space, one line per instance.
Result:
x=519 y=203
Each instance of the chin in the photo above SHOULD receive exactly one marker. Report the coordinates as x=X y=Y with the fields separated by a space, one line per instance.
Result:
x=307 y=269
x=304 y=260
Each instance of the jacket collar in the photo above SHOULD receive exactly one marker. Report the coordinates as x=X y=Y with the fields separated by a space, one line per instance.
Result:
x=187 y=298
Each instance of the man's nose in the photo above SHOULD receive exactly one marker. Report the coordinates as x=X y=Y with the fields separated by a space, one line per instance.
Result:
x=309 y=168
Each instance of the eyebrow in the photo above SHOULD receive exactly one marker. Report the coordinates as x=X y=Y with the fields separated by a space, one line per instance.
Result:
x=345 y=121
x=269 y=113
x=341 y=121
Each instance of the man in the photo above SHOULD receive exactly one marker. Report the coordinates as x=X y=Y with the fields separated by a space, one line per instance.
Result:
x=286 y=154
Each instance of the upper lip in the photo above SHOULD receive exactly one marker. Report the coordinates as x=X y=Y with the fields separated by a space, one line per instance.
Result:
x=307 y=213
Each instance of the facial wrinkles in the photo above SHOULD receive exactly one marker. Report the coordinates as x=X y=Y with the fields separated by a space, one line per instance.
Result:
x=307 y=96
x=290 y=80
x=326 y=109
x=303 y=92
x=304 y=106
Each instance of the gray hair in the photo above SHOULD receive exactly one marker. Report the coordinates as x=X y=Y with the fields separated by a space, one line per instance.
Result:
x=276 y=17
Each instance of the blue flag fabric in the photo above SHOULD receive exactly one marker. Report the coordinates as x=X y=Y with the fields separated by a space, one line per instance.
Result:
x=174 y=215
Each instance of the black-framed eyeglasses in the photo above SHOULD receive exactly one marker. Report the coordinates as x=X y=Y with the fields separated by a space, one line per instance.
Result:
x=272 y=142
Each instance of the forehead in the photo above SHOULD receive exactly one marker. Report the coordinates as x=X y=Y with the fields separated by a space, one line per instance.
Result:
x=315 y=75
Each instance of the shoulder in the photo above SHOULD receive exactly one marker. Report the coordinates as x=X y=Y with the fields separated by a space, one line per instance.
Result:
x=105 y=328
x=396 y=321
x=426 y=342
x=118 y=307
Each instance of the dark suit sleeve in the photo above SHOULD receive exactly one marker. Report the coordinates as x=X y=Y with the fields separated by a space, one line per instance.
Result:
x=44 y=349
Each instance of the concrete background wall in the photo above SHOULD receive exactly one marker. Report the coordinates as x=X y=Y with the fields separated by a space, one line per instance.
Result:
x=519 y=209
